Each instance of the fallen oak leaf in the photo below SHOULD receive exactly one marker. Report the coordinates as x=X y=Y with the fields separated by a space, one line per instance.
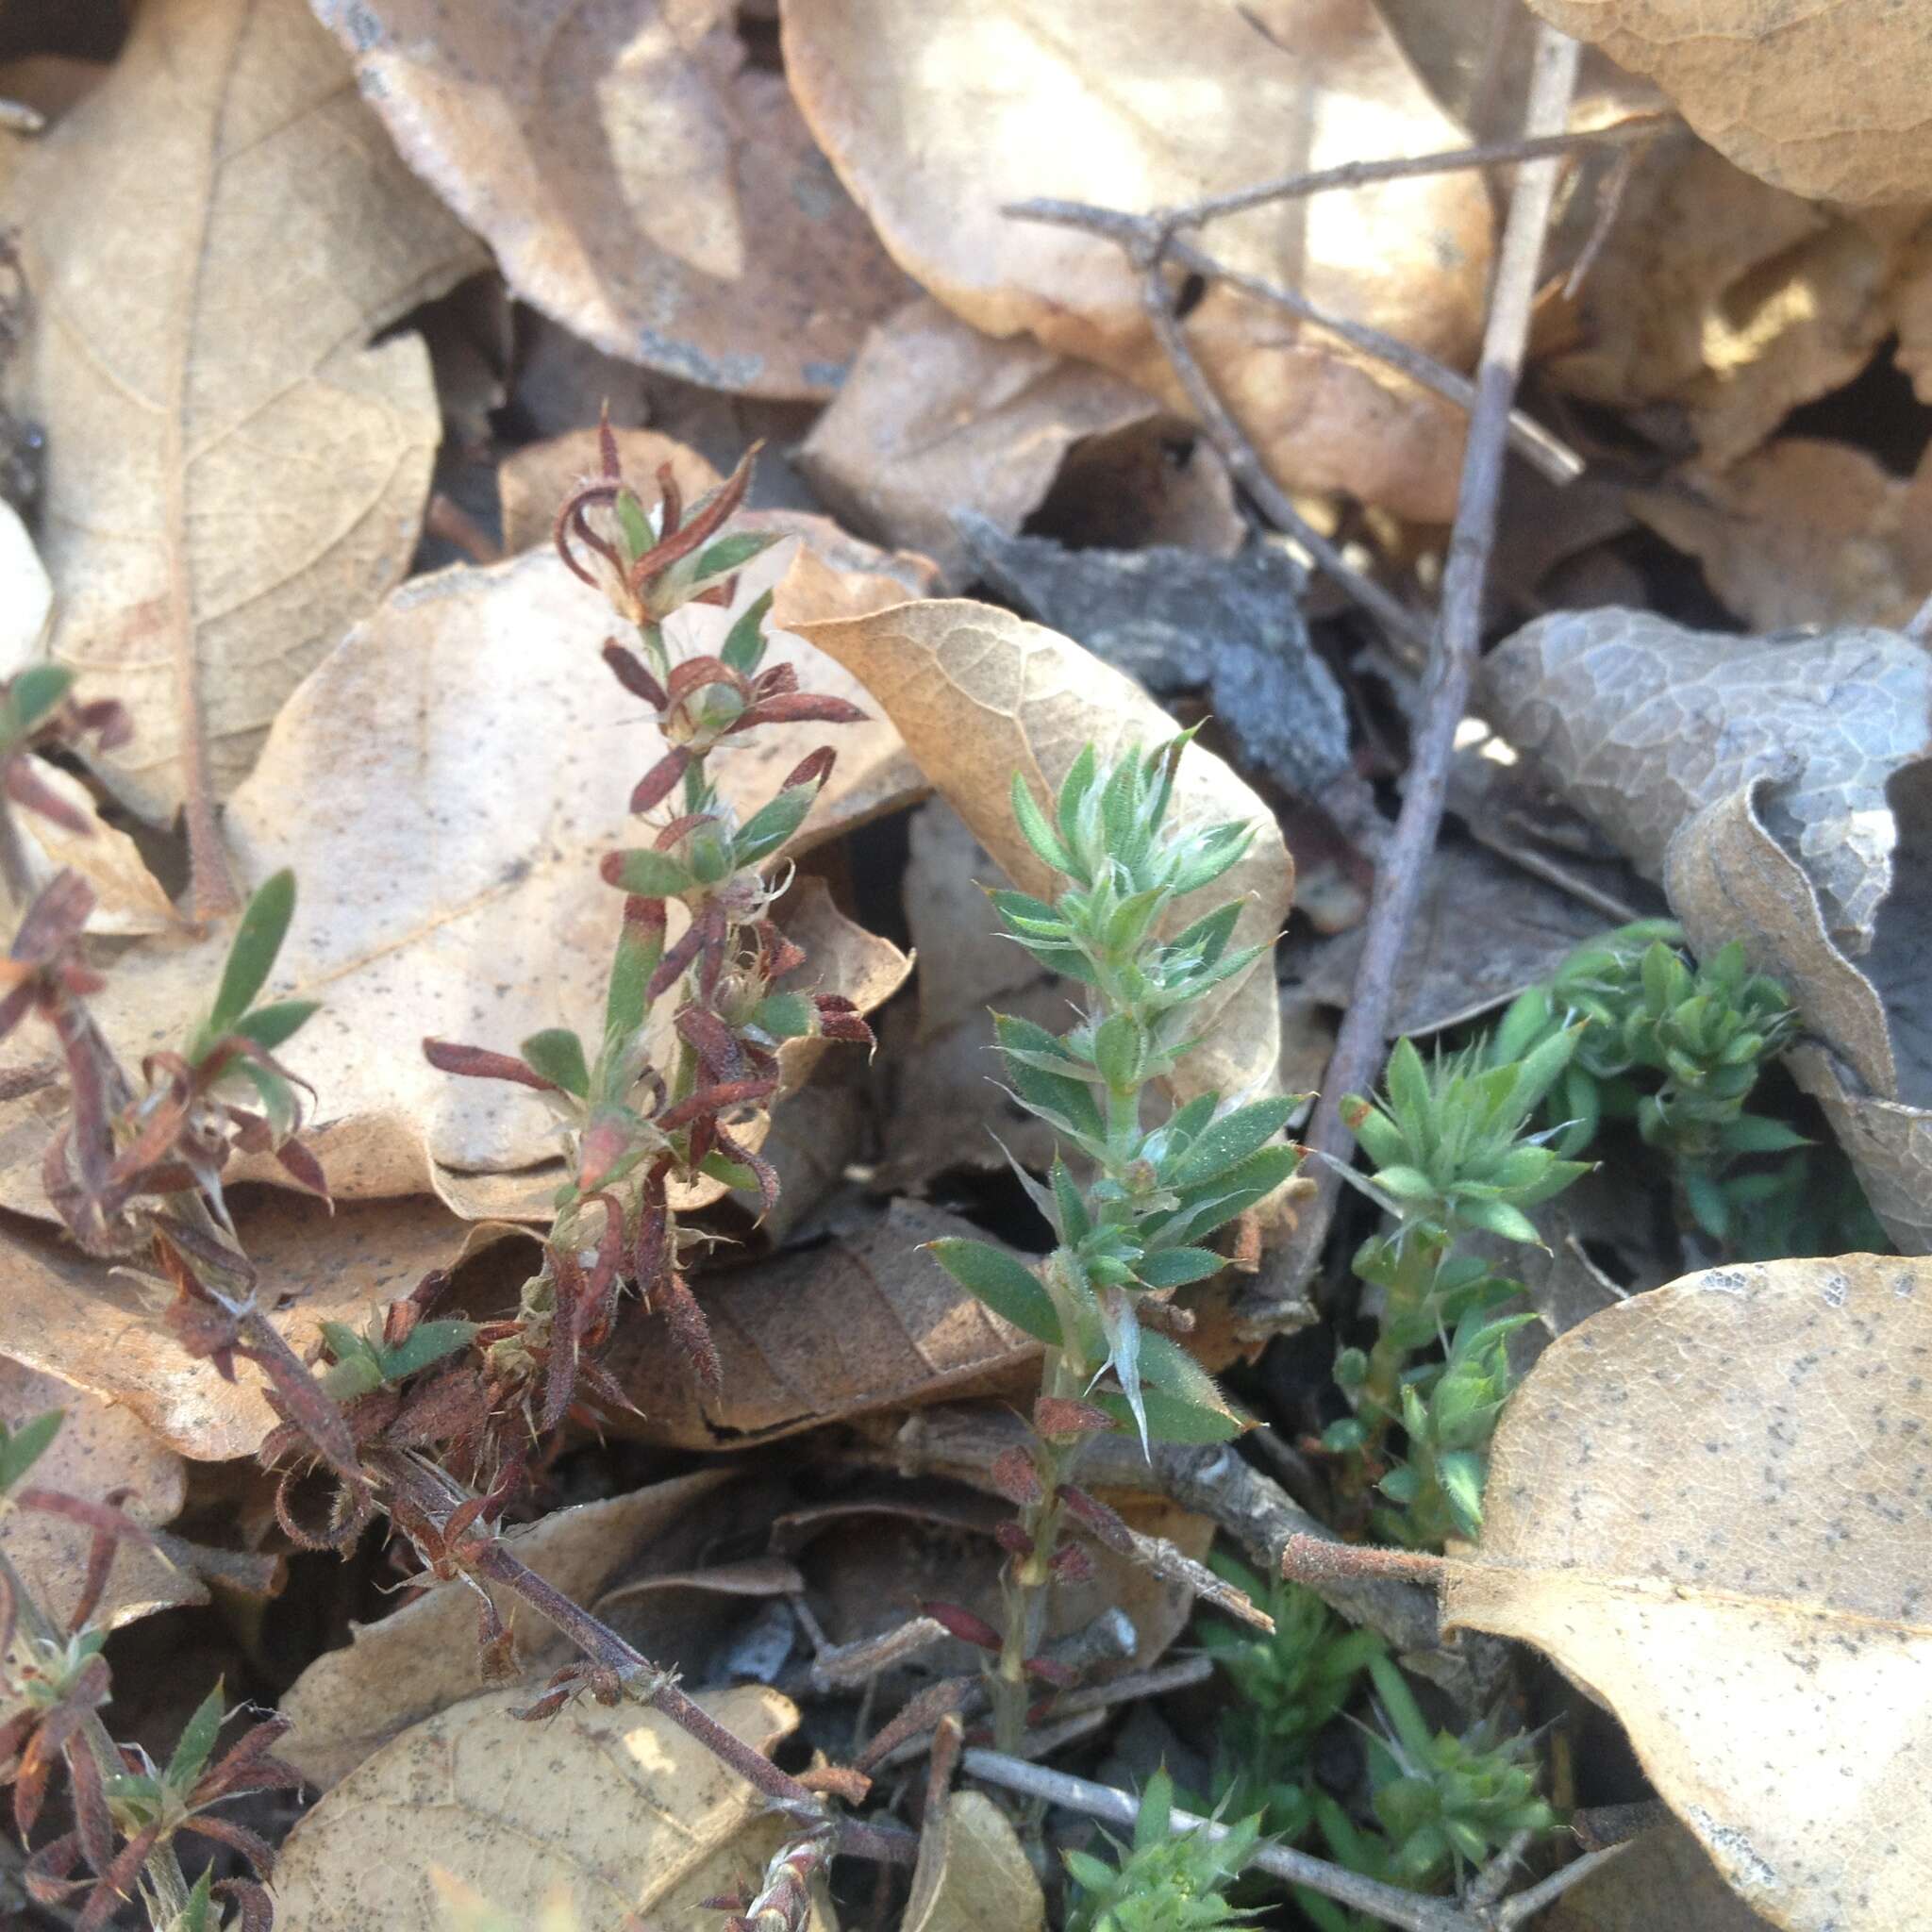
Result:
x=1054 y=111
x=639 y=178
x=234 y=475
x=981 y=696
x=613 y=1804
x=972 y=1872
x=1758 y=1610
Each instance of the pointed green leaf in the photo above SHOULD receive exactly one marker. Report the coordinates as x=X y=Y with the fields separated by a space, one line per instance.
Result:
x=558 y=1053
x=744 y=644
x=772 y=824
x=652 y=874
x=1177 y=1267
x=785 y=1015
x=1007 y=1287
x=1230 y=1140
x=22 y=1447
x=273 y=1025
x=252 y=957
x=32 y=694
x=1034 y=828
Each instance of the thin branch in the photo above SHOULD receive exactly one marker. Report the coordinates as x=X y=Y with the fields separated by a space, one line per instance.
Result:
x=1361 y=1043
x=1531 y=147
x=1526 y=1903
x=1386 y=1902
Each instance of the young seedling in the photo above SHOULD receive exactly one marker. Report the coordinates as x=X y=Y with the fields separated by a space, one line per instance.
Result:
x=1165 y=1881
x=1134 y=1227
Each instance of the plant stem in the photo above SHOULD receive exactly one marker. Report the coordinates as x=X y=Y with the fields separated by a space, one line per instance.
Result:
x=36 y=1629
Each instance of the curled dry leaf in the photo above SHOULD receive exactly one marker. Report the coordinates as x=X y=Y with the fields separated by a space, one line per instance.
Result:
x=938 y=117
x=212 y=237
x=864 y=1322
x=1803 y=532
x=937 y=418
x=639 y=177
x=971 y=1872
x=99 y=1330
x=444 y=787
x=613 y=1805
x=1867 y=1052
x=422 y=1659
x=1829 y=102
x=980 y=694
x=100 y=1449
x=1753 y=1605
x=1639 y=722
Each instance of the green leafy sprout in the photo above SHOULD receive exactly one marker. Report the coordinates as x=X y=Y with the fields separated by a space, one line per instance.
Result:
x=1165 y=1881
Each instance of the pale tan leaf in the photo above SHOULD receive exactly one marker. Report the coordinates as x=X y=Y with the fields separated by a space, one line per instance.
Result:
x=1664 y=1879
x=936 y=116
x=1866 y=1055
x=128 y=899
x=971 y=1872
x=937 y=418
x=639 y=175
x=615 y=1804
x=863 y=1322
x=1754 y=1604
x=443 y=786
x=100 y=1448
x=423 y=1658
x=26 y=596
x=981 y=696
x=1827 y=100
x=213 y=236
x=1803 y=533
x=1639 y=722
x=95 y=1328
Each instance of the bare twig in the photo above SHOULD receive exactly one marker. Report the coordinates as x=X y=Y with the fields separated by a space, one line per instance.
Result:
x=1532 y=1899
x=1360 y=1043
x=1549 y=453
x=1386 y=1902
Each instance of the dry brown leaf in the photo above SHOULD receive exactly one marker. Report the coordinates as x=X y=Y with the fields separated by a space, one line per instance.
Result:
x=937 y=418
x=1730 y=301
x=129 y=900
x=1803 y=532
x=1867 y=1052
x=97 y=1330
x=1639 y=722
x=423 y=1658
x=639 y=175
x=1828 y=100
x=980 y=694
x=100 y=1448
x=1754 y=1606
x=971 y=1874
x=1663 y=1879
x=863 y=1322
x=938 y=115
x=212 y=237
x=444 y=787
x=615 y=1804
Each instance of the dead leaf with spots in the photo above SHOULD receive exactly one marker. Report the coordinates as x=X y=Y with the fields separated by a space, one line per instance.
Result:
x=444 y=786
x=1664 y=1879
x=1803 y=533
x=614 y=1806
x=1639 y=722
x=99 y=1330
x=972 y=1872
x=422 y=1659
x=1828 y=100
x=234 y=475
x=1149 y=102
x=100 y=1449
x=129 y=900
x=979 y=695
x=1709 y=1505
x=861 y=1323
x=639 y=177
x=937 y=418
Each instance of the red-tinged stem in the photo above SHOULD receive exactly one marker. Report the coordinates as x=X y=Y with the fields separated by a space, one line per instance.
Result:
x=425 y=1491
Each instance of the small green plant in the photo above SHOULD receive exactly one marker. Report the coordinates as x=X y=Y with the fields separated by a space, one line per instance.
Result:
x=1134 y=1229
x=1675 y=1047
x=1165 y=1881
x=1454 y=1151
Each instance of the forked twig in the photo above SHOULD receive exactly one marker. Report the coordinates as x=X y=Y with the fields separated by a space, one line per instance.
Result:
x=1359 y=1044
